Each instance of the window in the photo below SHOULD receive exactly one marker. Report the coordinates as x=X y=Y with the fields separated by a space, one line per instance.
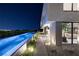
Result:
x=67 y=6
x=70 y=33
x=71 y=7
x=66 y=33
x=75 y=7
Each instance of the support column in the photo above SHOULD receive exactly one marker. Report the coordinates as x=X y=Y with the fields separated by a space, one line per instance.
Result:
x=58 y=33
x=59 y=38
x=53 y=33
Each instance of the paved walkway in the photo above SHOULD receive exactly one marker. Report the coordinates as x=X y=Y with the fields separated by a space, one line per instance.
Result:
x=41 y=49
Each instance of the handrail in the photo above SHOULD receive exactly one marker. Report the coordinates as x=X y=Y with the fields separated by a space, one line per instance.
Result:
x=9 y=45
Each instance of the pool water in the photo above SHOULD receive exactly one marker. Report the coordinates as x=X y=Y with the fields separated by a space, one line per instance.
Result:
x=9 y=45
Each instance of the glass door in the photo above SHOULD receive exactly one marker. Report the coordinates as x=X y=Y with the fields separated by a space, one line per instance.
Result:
x=66 y=33
x=70 y=32
x=75 y=33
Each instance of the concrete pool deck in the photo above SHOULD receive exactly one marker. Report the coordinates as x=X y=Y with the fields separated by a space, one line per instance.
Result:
x=41 y=49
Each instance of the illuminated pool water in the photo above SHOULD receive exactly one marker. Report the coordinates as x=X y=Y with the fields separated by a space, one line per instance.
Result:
x=9 y=45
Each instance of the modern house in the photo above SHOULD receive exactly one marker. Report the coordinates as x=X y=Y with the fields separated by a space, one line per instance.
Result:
x=63 y=25
x=59 y=21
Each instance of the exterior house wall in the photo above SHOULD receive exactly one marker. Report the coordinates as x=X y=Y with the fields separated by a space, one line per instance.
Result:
x=44 y=17
x=56 y=13
x=58 y=33
x=53 y=33
x=52 y=30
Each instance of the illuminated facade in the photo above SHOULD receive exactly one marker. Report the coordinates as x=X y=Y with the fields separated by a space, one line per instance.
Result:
x=59 y=15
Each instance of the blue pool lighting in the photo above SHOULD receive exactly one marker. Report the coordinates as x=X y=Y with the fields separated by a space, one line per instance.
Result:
x=9 y=45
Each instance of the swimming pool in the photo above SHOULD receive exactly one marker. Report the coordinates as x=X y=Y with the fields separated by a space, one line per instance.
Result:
x=9 y=45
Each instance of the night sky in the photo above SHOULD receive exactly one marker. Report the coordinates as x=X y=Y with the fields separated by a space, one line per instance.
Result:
x=20 y=16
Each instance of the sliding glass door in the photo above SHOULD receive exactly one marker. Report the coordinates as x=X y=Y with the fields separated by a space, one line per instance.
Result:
x=70 y=32
x=75 y=32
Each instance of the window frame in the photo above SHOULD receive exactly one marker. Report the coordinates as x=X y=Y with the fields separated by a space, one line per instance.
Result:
x=72 y=25
x=72 y=8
